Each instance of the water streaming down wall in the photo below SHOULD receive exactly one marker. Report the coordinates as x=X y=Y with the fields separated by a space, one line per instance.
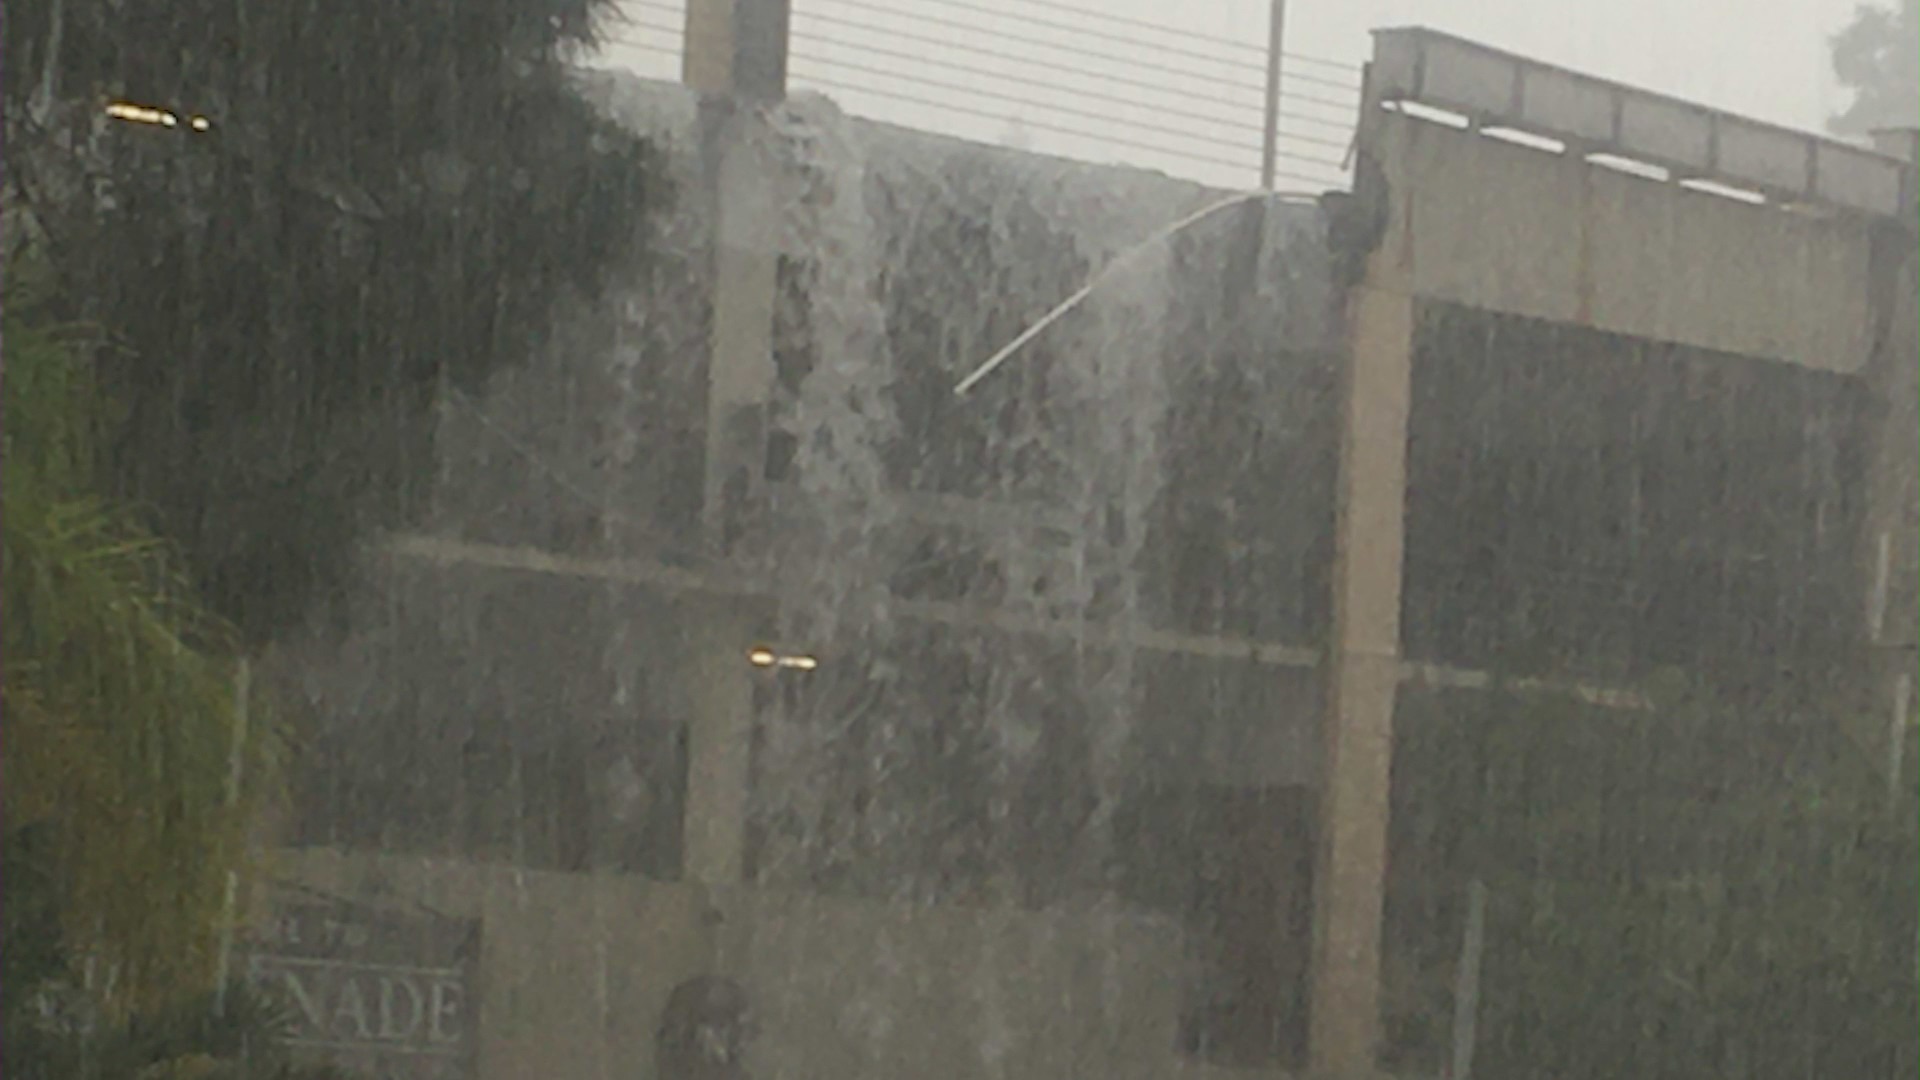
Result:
x=1044 y=805
x=1036 y=808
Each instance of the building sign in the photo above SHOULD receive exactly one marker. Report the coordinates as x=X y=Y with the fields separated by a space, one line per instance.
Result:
x=387 y=992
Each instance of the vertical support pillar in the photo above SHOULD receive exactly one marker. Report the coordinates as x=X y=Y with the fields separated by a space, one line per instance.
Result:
x=720 y=703
x=740 y=368
x=735 y=55
x=1893 y=489
x=736 y=47
x=1363 y=674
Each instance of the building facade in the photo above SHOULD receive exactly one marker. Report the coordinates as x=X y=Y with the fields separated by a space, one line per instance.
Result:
x=1048 y=728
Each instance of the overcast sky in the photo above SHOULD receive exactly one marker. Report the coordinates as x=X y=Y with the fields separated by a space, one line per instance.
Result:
x=1764 y=58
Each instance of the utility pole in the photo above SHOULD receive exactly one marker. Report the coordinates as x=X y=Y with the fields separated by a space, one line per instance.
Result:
x=1270 y=133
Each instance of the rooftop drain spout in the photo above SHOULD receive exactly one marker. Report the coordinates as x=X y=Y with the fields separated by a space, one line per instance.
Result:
x=1006 y=351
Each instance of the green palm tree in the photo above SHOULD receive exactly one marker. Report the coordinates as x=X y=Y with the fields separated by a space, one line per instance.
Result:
x=125 y=743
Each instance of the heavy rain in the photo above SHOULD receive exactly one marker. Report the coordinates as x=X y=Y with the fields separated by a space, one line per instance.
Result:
x=960 y=539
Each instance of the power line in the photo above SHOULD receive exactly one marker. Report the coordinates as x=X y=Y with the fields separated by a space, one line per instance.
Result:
x=1195 y=34
x=1143 y=24
x=881 y=92
x=869 y=5
x=1016 y=99
x=1058 y=129
x=647 y=46
x=963 y=46
x=1081 y=31
x=1124 y=20
x=1092 y=54
x=922 y=58
x=1242 y=125
x=984 y=73
x=871 y=27
x=1294 y=97
x=1315 y=80
x=801 y=35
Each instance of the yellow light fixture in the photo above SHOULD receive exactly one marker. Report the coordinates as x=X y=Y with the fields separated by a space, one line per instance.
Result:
x=762 y=657
x=147 y=114
x=141 y=114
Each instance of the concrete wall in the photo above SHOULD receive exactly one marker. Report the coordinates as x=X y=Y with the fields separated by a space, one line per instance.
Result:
x=1156 y=478
x=1488 y=224
x=873 y=989
x=1085 y=593
x=1463 y=219
x=575 y=969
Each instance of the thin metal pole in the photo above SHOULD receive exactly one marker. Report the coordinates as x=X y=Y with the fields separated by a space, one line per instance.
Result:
x=1466 y=992
x=1270 y=131
x=236 y=764
x=1897 y=738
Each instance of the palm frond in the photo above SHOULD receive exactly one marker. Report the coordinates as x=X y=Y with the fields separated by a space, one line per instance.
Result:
x=123 y=731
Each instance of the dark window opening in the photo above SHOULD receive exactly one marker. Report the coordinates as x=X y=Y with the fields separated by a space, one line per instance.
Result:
x=1235 y=866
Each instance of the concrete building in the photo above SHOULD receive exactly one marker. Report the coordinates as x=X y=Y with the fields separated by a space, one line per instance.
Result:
x=1048 y=730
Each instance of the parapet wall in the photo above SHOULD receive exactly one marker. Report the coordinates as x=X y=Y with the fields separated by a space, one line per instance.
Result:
x=1551 y=234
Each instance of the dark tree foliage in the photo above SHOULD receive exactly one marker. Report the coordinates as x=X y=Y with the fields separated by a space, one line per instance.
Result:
x=31 y=939
x=391 y=195
x=1877 y=56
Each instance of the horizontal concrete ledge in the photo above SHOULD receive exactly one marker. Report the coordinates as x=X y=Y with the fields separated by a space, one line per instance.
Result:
x=1110 y=634
x=1492 y=88
x=1607 y=697
x=735 y=582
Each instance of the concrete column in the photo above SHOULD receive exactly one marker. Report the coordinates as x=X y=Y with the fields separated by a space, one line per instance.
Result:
x=1363 y=672
x=1893 y=492
x=1903 y=143
x=719 y=684
x=718 y=631
x=736 y=47
x=740 y=369
x=735 y=55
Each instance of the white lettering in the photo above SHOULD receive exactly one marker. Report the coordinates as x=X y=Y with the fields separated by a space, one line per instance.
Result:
x=309 y=1005
x=447 y=1000
x=414 y=1011
x=351 y=1005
